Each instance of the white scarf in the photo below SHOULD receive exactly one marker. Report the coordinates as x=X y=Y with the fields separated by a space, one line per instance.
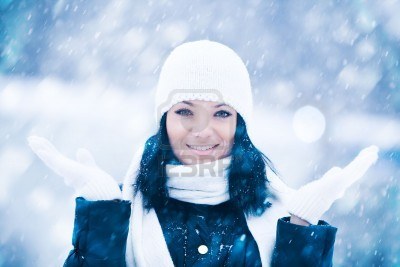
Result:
x=205 y=183
x=202 y=184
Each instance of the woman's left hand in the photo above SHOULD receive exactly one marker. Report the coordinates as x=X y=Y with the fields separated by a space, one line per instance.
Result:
x=312 y=200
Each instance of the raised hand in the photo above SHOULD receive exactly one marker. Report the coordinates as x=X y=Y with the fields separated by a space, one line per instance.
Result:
x=312 y=200
x=88 y=180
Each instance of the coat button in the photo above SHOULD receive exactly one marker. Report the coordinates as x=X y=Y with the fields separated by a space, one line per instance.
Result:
x=202 y=249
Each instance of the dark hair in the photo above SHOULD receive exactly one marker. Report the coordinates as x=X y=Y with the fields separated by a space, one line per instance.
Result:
x=247 y=171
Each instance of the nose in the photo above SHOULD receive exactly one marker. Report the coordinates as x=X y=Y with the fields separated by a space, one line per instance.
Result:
x=202 y=127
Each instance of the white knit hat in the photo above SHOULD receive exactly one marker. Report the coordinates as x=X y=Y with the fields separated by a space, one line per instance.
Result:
x=204 y=70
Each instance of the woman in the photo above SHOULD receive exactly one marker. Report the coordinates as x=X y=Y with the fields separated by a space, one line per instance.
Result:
x=199 y=192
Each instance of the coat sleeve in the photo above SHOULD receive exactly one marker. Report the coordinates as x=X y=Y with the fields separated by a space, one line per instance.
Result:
x=100 y=233
x=298 y=245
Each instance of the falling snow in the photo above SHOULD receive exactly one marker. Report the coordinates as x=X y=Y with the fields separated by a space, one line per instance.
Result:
x=325 y=80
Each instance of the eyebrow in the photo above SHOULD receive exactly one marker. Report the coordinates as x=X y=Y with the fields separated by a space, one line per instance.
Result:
x=192 y=104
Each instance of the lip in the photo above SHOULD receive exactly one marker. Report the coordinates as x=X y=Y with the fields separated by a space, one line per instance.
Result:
x=203 y=152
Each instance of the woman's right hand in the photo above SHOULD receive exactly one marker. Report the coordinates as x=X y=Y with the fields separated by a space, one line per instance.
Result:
x=88 y=180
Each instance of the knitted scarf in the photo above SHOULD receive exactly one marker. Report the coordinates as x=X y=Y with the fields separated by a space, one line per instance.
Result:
x=202 y=184
x=205 y=183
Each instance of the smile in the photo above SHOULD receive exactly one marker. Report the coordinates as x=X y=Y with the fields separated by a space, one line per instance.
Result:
x=202 y=148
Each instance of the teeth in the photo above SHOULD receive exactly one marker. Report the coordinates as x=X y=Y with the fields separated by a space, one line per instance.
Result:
x=202 y=148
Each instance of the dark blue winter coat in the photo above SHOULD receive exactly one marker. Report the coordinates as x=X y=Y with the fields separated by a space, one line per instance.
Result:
x=101 y=229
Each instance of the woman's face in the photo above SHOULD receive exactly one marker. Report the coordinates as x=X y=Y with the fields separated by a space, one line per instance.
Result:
x=201 y=131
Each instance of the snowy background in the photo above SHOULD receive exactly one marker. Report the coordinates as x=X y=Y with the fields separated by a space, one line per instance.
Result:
x=326 y=83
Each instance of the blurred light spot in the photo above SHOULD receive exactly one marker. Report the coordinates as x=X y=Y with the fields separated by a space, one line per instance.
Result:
x=382 y=131
x=40 y=199
x=345 y=34
x=176 y=33
x=365 y=22
x=10 y=98
x=61 y=231
x=392 y=26
x=314 y=21
x=149 y=60
x=282 y=93
x=365 y=50
x=360 y=79
x=134 y=40
x=58 y=7
x=308 y=124
x=348 y=202
x=308 y=78
x=14 y=161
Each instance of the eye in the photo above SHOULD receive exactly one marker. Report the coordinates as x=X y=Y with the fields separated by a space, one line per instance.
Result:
x=222 y=114
x=184 y=112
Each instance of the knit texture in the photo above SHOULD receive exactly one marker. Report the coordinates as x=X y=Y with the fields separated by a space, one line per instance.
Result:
x=312 y=200
x=204 y=70
x=205 y=183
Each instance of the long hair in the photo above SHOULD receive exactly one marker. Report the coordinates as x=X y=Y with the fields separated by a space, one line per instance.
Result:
x=246 y=174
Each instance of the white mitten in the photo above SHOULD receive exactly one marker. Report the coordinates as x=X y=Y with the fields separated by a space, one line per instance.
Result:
x=312 y=200
x=88 y=180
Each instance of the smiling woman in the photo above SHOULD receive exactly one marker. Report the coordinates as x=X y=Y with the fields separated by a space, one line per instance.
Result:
x=200 y=193
x=201 y=131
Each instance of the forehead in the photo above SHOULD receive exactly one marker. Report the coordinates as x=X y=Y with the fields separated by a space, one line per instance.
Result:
x=203 y=103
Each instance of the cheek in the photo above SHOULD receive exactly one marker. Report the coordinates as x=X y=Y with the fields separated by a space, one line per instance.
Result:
x=227 y=132
x=176 y=131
